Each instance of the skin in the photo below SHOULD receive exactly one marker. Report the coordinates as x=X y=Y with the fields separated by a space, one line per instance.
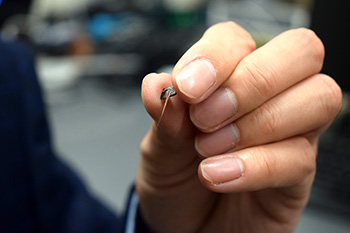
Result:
x=237 y=147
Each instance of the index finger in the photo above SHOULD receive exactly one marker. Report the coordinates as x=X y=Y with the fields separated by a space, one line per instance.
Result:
x=209 y=62
x=287 y=59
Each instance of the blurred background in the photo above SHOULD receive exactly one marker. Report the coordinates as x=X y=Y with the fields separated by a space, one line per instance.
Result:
x=92 y=55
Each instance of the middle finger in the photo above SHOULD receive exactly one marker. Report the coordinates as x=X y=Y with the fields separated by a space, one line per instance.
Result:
x=311 y=104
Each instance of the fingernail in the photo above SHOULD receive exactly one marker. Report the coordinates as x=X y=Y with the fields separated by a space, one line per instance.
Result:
x=196 y=78
x=218 y=142
x=222 y=169
x=219 y=107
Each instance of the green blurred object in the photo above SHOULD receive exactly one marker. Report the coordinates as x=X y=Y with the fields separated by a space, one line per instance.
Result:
x=191 y=19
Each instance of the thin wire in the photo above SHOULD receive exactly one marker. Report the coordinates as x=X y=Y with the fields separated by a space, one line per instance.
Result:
x=168 y=94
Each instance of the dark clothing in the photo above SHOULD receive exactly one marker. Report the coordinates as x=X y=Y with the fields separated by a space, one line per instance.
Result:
x=13 y=7
x=38 y=193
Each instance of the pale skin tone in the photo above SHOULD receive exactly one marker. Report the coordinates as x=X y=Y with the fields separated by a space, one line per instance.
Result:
x=237 y=147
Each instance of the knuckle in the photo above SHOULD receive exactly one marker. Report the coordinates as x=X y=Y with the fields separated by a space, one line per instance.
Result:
x=267 y=164
x=308 y=156
x=332 y=98
x=269 y=117
x=219 y=27
x=242 y=33
x=264 y=164
x=328 y=98
x=312 y=42
x=225 y=26
x=234 y=30
x=286 y=164
x=260 y=79
x=229 y=24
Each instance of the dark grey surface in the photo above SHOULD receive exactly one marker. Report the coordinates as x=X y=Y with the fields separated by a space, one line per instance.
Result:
x=98 y=131
x=97 y=128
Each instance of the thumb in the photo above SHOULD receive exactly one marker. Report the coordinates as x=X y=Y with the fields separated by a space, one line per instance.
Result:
x=167 y=184
x=175 y=123
x=169 y=147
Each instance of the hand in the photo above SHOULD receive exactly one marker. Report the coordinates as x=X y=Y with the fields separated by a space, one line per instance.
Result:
x=236 y=148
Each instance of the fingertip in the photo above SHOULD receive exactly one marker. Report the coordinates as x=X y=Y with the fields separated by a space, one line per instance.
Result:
x=145 y=86
x=175 y=120
x=211 y=61
x=219 y=173
x=218 y=142
x=152 y=86
x=197 y=80
x=153 y=82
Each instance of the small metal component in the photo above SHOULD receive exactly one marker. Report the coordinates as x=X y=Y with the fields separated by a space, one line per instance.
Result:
x=166 y=91
x=166 y=94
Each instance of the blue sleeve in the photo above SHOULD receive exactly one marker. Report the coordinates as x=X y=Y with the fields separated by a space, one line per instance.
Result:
x=38 y=192
x=134 y=220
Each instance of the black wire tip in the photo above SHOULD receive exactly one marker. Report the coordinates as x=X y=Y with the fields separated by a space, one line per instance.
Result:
x=168 y=92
